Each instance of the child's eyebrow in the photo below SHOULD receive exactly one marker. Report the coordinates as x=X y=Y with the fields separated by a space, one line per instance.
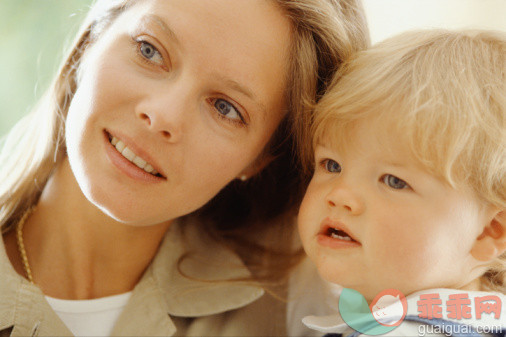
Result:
x=393 y=163
x=319 y=147
x=324 y=144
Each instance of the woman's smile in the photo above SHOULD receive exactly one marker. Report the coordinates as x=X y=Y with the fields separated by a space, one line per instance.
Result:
x=131 y=156
x=123 y=154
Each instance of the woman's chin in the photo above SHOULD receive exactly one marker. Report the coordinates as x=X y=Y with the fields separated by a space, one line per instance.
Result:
x=128 y=215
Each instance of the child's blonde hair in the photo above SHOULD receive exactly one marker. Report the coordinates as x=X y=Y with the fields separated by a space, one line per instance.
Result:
x=445 y=93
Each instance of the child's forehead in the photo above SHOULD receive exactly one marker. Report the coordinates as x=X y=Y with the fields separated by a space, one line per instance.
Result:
x=372 y=133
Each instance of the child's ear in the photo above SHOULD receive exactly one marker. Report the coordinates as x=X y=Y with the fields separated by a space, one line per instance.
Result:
x=492 y=241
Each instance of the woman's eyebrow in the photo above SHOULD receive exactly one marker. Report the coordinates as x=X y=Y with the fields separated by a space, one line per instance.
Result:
x=152 y=18
x=236 y=86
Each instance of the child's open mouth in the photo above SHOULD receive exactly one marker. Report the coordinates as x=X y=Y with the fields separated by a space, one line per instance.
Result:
x=335 y=234
x=339 y=234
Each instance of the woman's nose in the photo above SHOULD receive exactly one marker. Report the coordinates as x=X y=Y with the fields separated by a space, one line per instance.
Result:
x=165 y=115
x=344 y=197
x=154 y=123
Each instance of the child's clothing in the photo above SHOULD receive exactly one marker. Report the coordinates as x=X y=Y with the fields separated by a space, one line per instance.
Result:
x=490 y=306
x=309 y=294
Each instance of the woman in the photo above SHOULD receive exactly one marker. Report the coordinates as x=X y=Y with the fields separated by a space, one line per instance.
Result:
x=160 y=107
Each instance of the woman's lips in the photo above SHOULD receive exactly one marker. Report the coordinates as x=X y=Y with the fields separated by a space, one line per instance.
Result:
x=131 y=156
x=137 y=150
x=125 y=164
x=335 y=234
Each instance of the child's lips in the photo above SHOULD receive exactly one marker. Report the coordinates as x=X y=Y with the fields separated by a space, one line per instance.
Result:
x=336 y=230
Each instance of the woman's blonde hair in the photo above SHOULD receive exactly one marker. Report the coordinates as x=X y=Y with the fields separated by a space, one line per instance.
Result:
x=324 y=33
x=445 y=93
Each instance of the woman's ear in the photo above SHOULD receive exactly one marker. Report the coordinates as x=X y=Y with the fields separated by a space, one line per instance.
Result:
x=258 y=165
x=492 y=241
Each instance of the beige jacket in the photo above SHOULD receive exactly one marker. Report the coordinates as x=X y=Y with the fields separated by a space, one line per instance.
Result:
x=164 y=302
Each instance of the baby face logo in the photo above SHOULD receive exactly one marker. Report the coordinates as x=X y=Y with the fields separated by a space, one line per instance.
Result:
x=385 y=313
x=389 y=307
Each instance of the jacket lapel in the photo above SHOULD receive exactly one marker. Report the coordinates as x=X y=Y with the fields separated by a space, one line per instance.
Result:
x=23 y=308
x=186 y=287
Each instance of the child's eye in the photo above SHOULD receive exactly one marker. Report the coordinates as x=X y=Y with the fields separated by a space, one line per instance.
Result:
x=149 y=52
x=394 y=182
x=331 y=166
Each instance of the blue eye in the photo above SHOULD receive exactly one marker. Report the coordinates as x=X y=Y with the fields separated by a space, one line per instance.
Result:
x=149 y=52
x=331 y=166
x=227 y=110
x=394 y=182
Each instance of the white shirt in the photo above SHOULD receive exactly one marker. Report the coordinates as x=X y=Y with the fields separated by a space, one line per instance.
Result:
x=94 y=317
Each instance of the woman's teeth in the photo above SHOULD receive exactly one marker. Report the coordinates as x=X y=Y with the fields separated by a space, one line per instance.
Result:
x=131 y=156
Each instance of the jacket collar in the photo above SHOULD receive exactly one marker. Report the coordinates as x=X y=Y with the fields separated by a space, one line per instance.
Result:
x=165 y=291
x=162 y=291
x=191 y=285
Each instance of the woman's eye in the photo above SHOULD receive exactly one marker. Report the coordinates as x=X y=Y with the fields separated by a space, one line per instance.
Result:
x=394 y=182
x=331 y=166
x=227 y=110
x=149 y=52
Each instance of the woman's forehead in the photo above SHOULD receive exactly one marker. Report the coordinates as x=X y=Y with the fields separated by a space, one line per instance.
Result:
x=241 y=45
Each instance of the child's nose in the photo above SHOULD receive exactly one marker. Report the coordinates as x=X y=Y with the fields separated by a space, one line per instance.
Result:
x=342 y=197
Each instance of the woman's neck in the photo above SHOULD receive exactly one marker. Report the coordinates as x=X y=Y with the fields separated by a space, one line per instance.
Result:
x=75 y=251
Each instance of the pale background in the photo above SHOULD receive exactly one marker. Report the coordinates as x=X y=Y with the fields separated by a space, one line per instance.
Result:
x=33 y=34
x=388 y=17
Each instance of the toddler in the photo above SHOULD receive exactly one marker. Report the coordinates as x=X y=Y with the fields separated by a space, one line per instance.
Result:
x=408 y=196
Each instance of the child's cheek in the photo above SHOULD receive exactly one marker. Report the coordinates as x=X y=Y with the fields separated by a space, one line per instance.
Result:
x=396 y=241
x=311 y=214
